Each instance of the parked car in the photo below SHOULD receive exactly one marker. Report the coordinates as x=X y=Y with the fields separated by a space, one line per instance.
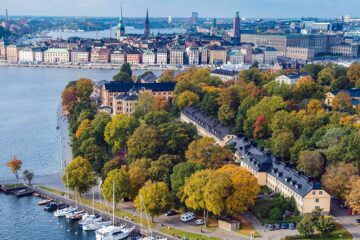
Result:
x=277 y=226
x=170 y=213
x=358 y=220
x=292 y=226
x=284 y=226
x=270 y=227
x=200 y=222
x=186 y=217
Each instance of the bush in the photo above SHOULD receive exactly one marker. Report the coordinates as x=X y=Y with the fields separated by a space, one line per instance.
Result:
x=275 y=214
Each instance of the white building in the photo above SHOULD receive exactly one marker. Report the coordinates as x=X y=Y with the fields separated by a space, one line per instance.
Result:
x=80 y=56
x=162 y=56
x=290 y=78
x=193 y=54
x=117 y=57
x=236 y=57
x=26 y=55
x=149 y=57
x=54 y=55
x=38 y=54
x=177 y=55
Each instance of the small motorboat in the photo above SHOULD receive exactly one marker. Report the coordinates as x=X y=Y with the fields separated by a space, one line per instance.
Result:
x=70 y=215
x=51 y=206
x=113 y=233
x=63 y=212
x=44 y=202
x=77 y=217
x=95 y=225
x=87 y=219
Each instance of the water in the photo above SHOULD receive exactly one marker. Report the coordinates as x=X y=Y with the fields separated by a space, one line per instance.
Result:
x=22 y=219
x=29 y=99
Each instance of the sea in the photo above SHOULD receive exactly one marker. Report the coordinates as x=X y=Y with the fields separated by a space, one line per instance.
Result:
x=29 y=109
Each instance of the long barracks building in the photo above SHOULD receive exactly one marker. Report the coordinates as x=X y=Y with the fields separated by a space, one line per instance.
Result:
x=270 y=172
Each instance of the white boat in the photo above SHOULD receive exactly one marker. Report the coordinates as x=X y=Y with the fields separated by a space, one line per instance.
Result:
x=152 y=238
x=87 y=219
x=63 y=212
x=95 y=225
x=113 y=233
x=70 y=215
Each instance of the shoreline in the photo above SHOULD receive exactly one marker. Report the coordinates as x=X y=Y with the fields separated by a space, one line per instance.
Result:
x=93 y=66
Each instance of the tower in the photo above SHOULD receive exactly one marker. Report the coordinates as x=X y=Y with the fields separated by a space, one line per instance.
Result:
x=7 y=16
x=213 y=28
x=147 y=24
x=236 y=28
x=120 y=31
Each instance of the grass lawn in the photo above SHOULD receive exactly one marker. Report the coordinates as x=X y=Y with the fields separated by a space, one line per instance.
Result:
x=246 y=228
x=16 y=185
x=339 y=233
x=180 y=234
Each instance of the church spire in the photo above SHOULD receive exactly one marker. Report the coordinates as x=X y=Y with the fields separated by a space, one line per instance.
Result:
x=147 y=24
x=120 y=31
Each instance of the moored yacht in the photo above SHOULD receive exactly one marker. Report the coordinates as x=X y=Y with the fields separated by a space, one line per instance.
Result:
x=113 y=233
x=70 y=215
x=95 y=225
x=63 y=212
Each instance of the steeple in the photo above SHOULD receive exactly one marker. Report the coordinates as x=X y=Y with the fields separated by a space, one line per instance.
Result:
x=213 y=28
x=236 y=28
x=120 y=31
x=147 y=24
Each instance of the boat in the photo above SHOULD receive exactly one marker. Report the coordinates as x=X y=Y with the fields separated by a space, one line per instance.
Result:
x=77 y=217
x=51 y=206
x=44 y=202
x=87 y=219
x=72 y=214
x=63 y=212
x=95 y=225
x=113 y=233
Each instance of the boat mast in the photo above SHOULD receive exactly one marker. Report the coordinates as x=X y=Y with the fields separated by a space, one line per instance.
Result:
x=93 y=202
x=113 y=203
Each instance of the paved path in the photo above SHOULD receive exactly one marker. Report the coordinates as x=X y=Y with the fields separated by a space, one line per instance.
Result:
x=346 y=220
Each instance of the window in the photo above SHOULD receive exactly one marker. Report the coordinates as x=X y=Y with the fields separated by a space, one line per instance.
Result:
x=317 y=200
x=313 y=193
x=320 y=192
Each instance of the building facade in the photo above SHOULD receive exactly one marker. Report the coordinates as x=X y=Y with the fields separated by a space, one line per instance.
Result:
x=177 y=55
x=193 y=54
x=56 y=55
x=12 y=53
x=161 y=56
x=149 y=57
x=26 y=55
x=80 y=56
x=117 y=57
x=217 y=55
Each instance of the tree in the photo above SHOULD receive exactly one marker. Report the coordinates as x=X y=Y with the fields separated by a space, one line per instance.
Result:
x=79 y=175
x=159 y=103
x=98 y=126
x=144 y=143
x=69 y=97
x=245 y=189
x=306 y=225
x=181 y=171
x=119 y=180
x=275 y=214
x=261 y=128
x=226 y=115
x=96 y=154
x=186 y=99
x=206 y=152
x=325 y=225
x=144 y=104
x=305 y=88
x=122 y=77
x=138 y=172
x=337 y=176
x=275 y=88
x=84 y=88
x=28 y=176
x=342 y=102
x=15 y=165
x=281 y=143
x=119 y=130
x=161 y=169
x=353 y=197
x=339 y=83
x=311 y=162
x=326 y=76
x=157 y=118
x=353 y=74
x=126 y=68
x=312 y=69
x=167 y=76
x=209 y=105
x=154 y=198
x=111 y=165
x=229 y=96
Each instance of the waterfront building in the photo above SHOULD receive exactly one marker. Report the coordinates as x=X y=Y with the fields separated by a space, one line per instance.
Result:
x=80 y=56
x=236 y=57
x=213 y=28
x=133 y=56
x=204 y=55
x=193 y=54
x=225 y=75
x=149 y=57
x=2 y=49
x=270 y=55
x=279 y=42
x=290 y=79
x=236 y=28
x=278 y=176
x=39 y=54
x=300 y=53
x=118 y=57
x=177 y=55
x=12 y=53
x=147 y=24
x=217 y=55
x=354 y=93
x=56 y=55
x=161 y=56
x=100 y=55
x=110 y=90
x=120 y=30
x=26 y=54
x=345 y=50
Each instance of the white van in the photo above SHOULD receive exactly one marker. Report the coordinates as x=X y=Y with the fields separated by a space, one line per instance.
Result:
x=186 y=217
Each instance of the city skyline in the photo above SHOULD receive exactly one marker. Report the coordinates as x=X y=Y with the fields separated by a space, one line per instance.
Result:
x=162 y=8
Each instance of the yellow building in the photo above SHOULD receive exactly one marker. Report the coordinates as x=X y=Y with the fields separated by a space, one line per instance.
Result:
x=354 y=93
x=217 y=55
x=278 y=176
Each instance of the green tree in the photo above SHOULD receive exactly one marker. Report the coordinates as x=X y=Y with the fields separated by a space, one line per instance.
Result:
x=312 y=69
x=84 y=88
x=226 y=115
x=79 y=175
x=144 y=104
x=154 y=198
x=311 y=162
x=186 y=99
x=119 y=130
x=326 y=76
x=96 y=155
x=28 y=176
x=157 y=118
x=281 y=143
x=274 y=88
x=161 y=169
x=209 y=105
x=117 y=185
x=139 y=174
x=306 y=225
x=325 y=225
x=144 y=143
x=275 y=214
x=98 y=127
x=111 y=165
x=122 y=77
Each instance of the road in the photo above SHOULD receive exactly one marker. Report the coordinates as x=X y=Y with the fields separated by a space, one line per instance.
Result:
x=347 y=221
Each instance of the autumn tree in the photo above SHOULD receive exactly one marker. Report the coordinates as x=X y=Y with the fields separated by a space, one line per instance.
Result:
x=160 y=103
x=353 y=74
x=119 y=130
x=326 y=76
x=144 y=104
x=245 y=188
x=226 y=115
x=167 y=76
x=111 y=165
x=186 y=99
x=157 y=118
x=261 y=128
x=311 y=162
x=84 y=88
x=342 y=102
x=116 y=185
x=15 y=165
x=79 y=175
x=337 y=176
x=205 y=151
x=138 y=173
x=281 y=143
x=154 y=198
x=144 y=142
x=69 y=97
x=353 y=196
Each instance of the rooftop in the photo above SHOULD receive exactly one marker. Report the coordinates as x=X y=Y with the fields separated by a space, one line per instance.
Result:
x=125 y=87
x=225 y=72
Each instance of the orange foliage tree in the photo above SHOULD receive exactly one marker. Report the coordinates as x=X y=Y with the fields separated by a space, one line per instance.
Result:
x=15 y=165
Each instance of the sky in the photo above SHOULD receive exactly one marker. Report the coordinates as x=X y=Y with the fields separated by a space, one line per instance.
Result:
x=183 y=8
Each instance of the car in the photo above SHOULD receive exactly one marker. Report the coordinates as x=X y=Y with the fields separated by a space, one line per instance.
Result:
x=170 y=213
x=358 y=220
x=270 y=227
x=284 y=226
x=200 y=222
x=292 y=226
x=186 y=217
x=277 y=226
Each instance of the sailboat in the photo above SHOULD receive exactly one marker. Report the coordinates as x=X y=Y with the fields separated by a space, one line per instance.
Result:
x=113 y=232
